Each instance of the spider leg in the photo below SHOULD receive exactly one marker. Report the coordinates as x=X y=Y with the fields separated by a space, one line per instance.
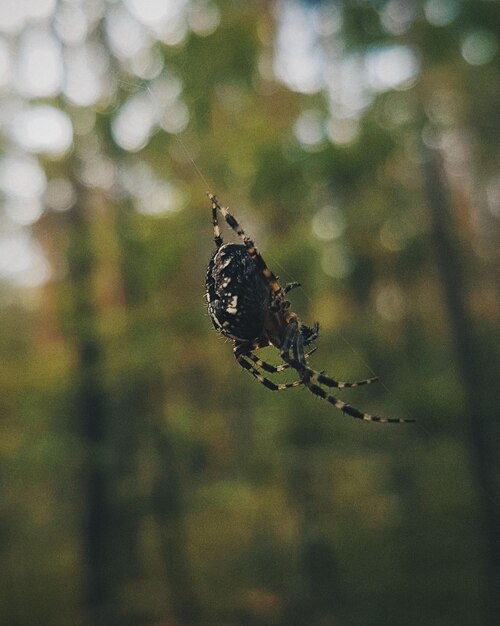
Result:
x=323 y=379
x=298 y=349
x=215 y=222
x=273 y=369
x=289 y=286
x=291 y=331
x=310 y=377
x=294 y=341
x=310 y=333
x=240 y=357
x=250 y=246
x=350 y=410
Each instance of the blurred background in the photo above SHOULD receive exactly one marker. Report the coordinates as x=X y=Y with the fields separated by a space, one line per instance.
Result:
x=145 y=478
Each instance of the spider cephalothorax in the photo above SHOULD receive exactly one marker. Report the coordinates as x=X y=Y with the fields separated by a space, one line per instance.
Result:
x=248 y=305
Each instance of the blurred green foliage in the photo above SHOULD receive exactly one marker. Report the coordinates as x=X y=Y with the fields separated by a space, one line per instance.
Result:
x=145 y=478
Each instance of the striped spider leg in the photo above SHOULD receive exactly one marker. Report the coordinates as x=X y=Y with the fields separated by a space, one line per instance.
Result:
x=247 y=304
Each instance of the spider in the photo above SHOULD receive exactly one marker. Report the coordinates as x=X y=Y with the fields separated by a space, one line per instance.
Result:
x=248 y=305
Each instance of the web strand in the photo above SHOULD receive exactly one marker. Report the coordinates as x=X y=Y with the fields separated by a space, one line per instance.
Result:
x=181 y=143
x=282 y=269
x=351 y=347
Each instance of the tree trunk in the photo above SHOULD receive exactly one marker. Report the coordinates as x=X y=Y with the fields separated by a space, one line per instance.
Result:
x=469 y=364
x=168 y=507
x=90 y=415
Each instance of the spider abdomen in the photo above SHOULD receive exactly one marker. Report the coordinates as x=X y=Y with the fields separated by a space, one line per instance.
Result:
x=237 y=293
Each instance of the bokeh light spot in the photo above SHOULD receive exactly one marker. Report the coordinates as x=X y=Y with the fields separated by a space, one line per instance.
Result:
x=21 y=260
x=308 y=128
x=203 y=17
x=71 y=24
x=40 y=70
x=328 y=223
x=84 y=67
x=390 y=303
x=337 y=261
x=15 y=14
x=397 y=16
x=5 y=63
x=60 y=194
x=151 y=12
x=43 y=129
x=479 y=47
x=441 y=12
x=297 y=61
x=342 y=131
x=126 y=35
x=98 y=171
x=389 y=67
x=23 y=211
x=21 y=177
x=134 y=123
x=176 y=118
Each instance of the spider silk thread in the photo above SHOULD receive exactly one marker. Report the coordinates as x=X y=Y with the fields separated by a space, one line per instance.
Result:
x=208 y=187
x=352 y=348
x=282 y=269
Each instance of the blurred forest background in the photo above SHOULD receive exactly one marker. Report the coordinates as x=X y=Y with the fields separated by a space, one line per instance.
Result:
x=145 y=478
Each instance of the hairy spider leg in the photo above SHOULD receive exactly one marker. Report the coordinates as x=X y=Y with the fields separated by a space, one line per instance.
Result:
x=240 y=357
x=249 y=245
x=273 y=369
x=309 y=377
x=217 y=236
x=293 y=341
x=298 y=349
x=323 y=379
x=314 y=334
x=289 y=335
x=289 y=286
x=350 y=410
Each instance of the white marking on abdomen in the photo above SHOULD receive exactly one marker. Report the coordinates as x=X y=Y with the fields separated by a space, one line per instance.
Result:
x=232 y=306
